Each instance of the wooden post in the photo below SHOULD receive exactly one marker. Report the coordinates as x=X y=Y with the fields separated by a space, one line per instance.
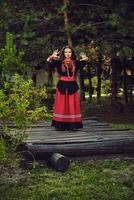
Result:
x=59 y=162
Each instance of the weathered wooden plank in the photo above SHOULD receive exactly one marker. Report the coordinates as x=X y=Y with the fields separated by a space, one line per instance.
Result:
x=107 y=132
x=66 y=133
x=94 y=139
x=53 y=131
x=89 y=148
x=95 y=124
x=84 y=135
x=50 y=131
x=71 y=135
x=77 y=140
x=48 y=123
x=90 y=118
x=91 y=121
x=73 y=139
x=80 y=134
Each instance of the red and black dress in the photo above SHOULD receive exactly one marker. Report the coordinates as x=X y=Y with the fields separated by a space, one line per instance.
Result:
x=66 y=110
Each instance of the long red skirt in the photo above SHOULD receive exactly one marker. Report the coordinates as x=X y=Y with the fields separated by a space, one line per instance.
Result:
x=66 y=112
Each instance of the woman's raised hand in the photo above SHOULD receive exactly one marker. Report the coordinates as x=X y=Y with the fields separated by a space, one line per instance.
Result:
x=83 y=56
x=55 y=54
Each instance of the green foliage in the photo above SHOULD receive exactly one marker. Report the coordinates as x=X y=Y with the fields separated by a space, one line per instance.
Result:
x=2 y=149
x=126 y=52
x=129 y=126
x=4 y=106
x=39 y=97
x=86 y=82
x=106 y=85
x=94 y=81
x=22 y=96
x=15 y=106
x=40 y=113
x=17 y=99
x=7 y=155
x=10 y=58
x=38 y=31
x=114 y=20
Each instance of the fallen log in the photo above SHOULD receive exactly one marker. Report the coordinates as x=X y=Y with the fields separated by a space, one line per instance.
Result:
x=92 y=147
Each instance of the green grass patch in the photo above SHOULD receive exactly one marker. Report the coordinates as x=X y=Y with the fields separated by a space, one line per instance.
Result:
x=94 y=180
x=129 y=126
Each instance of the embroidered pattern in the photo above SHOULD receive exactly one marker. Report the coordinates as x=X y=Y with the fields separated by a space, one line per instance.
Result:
x=67 y=116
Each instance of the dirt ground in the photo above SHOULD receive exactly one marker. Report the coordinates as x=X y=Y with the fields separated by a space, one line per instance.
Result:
x=107 y=113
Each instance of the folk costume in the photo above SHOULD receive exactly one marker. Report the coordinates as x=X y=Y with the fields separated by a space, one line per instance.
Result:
x=66 y=110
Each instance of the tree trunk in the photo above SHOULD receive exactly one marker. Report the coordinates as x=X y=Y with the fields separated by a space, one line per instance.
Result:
x=125 y=91
x=99 y=70
x=81 y=79
x=66 y=22
x=131 y=95
x=131 y=86
x=90 y=91
x=114 y=82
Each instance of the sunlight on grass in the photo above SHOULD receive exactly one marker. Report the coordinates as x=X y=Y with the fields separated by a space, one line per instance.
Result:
x=129 y=126
x=103 y=180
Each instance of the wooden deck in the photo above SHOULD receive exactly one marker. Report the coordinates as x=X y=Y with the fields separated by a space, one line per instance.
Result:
x=96 y=138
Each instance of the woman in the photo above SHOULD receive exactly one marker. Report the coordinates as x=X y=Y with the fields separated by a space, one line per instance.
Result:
x=66 y=112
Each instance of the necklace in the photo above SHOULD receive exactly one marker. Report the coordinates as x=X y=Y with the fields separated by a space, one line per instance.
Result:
x=68 y=72
x=69 y=64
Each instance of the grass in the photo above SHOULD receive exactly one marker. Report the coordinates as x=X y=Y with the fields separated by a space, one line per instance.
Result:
x=129 y=126
x=109 y=179
x=93 y=180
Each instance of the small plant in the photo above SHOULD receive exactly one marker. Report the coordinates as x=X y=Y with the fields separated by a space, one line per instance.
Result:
x=15 y=107
x=2 y=149
x=11 y=59
x=15 y=103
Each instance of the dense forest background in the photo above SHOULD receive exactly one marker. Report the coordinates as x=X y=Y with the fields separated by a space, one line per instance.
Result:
x=29 y=32
x=103 y=29
x=39 y=26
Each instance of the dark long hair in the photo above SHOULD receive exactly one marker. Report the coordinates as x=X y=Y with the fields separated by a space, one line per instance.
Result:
x=62 y=53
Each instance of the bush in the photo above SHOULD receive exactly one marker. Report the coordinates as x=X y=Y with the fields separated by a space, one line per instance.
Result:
x=106 y=86
x=16 y=100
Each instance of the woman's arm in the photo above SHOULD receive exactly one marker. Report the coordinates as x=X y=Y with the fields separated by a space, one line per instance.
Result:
x=53 y=59
x=54 y=56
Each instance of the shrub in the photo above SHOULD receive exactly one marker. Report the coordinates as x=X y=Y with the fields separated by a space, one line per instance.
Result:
x=15 y=104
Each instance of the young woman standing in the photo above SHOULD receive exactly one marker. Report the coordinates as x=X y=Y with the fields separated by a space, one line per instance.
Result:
x=66 y=111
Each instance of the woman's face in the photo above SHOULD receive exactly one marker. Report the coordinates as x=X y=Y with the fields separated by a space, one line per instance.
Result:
x=68 y=53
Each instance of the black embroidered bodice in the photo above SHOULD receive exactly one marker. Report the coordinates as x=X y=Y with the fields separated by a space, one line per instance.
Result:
x=70 y=86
